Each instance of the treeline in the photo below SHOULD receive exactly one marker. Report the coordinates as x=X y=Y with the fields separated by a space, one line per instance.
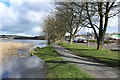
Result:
x=23 y=37
x=71 y=17
x=31 y=38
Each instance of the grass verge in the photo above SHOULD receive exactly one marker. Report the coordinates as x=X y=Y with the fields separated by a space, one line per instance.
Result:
x=57 y=67
x=106 y=56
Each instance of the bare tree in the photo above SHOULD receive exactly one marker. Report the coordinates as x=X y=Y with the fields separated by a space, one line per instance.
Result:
x=48 y=29
x=53 y=29
x=71 y=15
x=98 y=14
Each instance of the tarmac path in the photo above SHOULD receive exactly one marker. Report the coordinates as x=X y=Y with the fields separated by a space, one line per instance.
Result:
x=95 y=69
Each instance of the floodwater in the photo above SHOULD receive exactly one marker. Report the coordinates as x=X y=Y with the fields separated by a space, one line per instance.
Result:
x=23 y=65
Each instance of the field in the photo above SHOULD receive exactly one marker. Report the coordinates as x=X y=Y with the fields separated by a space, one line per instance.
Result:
x=8 y=49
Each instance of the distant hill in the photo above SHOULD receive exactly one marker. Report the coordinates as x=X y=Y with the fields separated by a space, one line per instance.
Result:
x=23 y=37
x=7 y=36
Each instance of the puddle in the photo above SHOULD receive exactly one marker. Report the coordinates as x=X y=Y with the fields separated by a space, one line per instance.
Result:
x=23 y=66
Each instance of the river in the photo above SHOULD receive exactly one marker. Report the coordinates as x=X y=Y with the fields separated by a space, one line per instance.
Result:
x=25 y=66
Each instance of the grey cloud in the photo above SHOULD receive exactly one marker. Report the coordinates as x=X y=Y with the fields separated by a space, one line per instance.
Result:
x=40 y=6
x=27 y=16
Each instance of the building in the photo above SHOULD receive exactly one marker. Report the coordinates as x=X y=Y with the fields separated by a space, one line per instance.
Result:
x=115 y=36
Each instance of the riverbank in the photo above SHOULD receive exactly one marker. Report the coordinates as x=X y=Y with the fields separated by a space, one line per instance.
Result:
x=8 y=49
x=58 y=67
x=106 y=56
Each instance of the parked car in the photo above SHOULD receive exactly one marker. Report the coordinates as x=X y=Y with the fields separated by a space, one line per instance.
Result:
x=81 y=41
x=75 y=40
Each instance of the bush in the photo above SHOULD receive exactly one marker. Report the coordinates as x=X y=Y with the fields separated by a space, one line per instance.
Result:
x=60 y=43
x=93 y=41
x=110 y=41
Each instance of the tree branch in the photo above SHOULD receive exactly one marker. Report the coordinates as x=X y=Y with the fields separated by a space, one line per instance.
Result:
x=114 y=14
x=111 y=6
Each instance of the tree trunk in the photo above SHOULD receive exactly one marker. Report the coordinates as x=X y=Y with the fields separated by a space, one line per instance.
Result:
x=101 y=30
x=100 y=44
x=71 y=39
x=48 y=42
x=62 y=39
x=100 y=41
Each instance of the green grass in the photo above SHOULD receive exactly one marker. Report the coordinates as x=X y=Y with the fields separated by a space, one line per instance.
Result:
x=105 y=56
x=57 y=67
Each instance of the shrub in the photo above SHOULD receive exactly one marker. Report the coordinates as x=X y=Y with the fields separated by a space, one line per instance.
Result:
x=92 y=41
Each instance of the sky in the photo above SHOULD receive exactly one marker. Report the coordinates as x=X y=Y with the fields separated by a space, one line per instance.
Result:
x=23 y=17
x=113 y=25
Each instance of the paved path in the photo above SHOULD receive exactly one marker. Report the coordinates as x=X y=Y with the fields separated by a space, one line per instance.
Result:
x=97 y=70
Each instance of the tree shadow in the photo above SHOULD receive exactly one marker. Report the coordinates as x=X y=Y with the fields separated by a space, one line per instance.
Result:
x=76 y=58
x=40 y=53
x=108 y=61
x=58 y=63
x=75 y=62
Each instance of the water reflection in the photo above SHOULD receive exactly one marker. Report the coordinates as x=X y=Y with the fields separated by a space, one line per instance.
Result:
x=39 y=43
x=23 y=65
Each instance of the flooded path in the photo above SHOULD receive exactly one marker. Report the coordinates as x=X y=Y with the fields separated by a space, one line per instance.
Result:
x=23 y=65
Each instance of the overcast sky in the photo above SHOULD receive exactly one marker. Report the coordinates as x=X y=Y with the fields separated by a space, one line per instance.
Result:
x=26 y=18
